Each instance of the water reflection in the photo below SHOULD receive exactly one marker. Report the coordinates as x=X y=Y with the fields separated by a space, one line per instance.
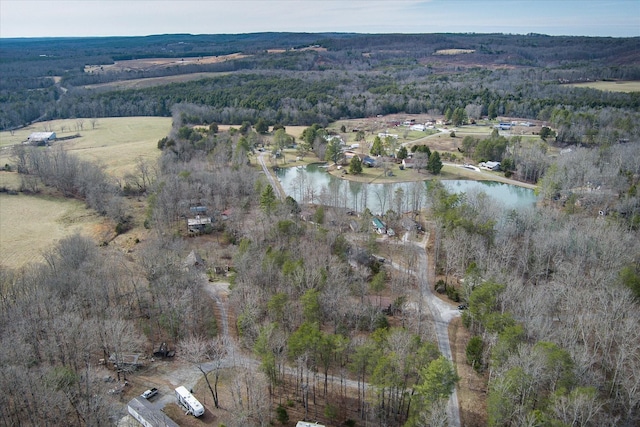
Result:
x=312 y=184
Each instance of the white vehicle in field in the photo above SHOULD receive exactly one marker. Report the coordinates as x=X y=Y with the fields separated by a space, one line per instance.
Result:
x=190 y=403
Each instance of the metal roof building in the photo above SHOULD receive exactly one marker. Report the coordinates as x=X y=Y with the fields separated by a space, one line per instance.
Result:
x=40 y=137
x=140 y=409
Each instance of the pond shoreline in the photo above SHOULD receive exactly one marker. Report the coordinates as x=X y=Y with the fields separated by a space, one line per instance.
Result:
x=313 y=184
x=450 y=171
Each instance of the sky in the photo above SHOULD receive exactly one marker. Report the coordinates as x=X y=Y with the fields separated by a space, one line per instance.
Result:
x=79 y=18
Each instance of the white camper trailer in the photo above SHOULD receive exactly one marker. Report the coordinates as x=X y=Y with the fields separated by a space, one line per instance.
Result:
x=190 y=403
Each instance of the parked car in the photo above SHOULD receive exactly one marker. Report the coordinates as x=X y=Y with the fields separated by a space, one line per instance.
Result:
x=462 y=307
x=150 y=393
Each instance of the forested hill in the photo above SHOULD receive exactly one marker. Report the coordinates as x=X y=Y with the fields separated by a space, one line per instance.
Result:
x=302 y=78
x=531 y=49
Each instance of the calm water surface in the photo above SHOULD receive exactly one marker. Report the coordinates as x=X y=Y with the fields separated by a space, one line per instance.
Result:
x=312 y=184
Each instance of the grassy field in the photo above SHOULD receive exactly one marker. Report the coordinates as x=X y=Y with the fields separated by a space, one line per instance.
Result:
x=617 y=86
x=453 y=51
x=154 y=81
x=32 y=224
x=116 y=143
x=147 y=64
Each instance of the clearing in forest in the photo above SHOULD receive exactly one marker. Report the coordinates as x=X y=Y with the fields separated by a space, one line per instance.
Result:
x=32 y=224
x=148 y=64
x=612 y=86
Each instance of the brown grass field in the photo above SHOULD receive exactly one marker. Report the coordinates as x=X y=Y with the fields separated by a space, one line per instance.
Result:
x=116 y=143
x=453 y=51
x=147 y=64
x=154 y=81
x=153 y=64
x=32 y=224
x=615 y=86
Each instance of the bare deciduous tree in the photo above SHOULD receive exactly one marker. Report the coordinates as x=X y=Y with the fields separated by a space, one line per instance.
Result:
x=207 y=355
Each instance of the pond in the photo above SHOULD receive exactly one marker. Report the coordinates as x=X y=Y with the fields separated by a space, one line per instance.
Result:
x=312 y=184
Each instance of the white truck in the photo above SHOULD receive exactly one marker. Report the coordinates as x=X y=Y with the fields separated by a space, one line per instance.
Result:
x=189 y=402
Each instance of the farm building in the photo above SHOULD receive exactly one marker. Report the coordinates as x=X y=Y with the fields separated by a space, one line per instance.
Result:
x=41 y=138
x=198 y=224
x=308 y=424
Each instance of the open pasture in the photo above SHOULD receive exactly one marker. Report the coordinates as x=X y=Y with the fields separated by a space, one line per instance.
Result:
x=453 y=51
x=147 y=64
x=116 y=143
x=154 y=81
x=32 y=224
x=612 y=86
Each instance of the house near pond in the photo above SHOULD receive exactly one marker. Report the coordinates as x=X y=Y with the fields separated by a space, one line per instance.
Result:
x=369 y=161
x=408 y=163
x=492 y=166
x=379 y=226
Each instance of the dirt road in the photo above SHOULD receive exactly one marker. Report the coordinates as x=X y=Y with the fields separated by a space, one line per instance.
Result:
x=168 y=375
x=442 y=313
x=270 y=177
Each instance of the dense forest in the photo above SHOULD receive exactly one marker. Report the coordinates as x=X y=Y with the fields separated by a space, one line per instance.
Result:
x=342 y=76
x=549 y=294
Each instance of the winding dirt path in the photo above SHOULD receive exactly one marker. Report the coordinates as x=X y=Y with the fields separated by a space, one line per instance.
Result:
x=271 y=178
x=442 y=313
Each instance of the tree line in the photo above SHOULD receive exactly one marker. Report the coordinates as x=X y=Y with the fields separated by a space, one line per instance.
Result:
x=350 y=82
x=552 y=293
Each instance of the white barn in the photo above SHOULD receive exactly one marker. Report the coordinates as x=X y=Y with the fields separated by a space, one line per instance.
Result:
x=41 y=138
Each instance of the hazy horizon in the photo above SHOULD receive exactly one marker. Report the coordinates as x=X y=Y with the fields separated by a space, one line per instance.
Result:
x=107 y=18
